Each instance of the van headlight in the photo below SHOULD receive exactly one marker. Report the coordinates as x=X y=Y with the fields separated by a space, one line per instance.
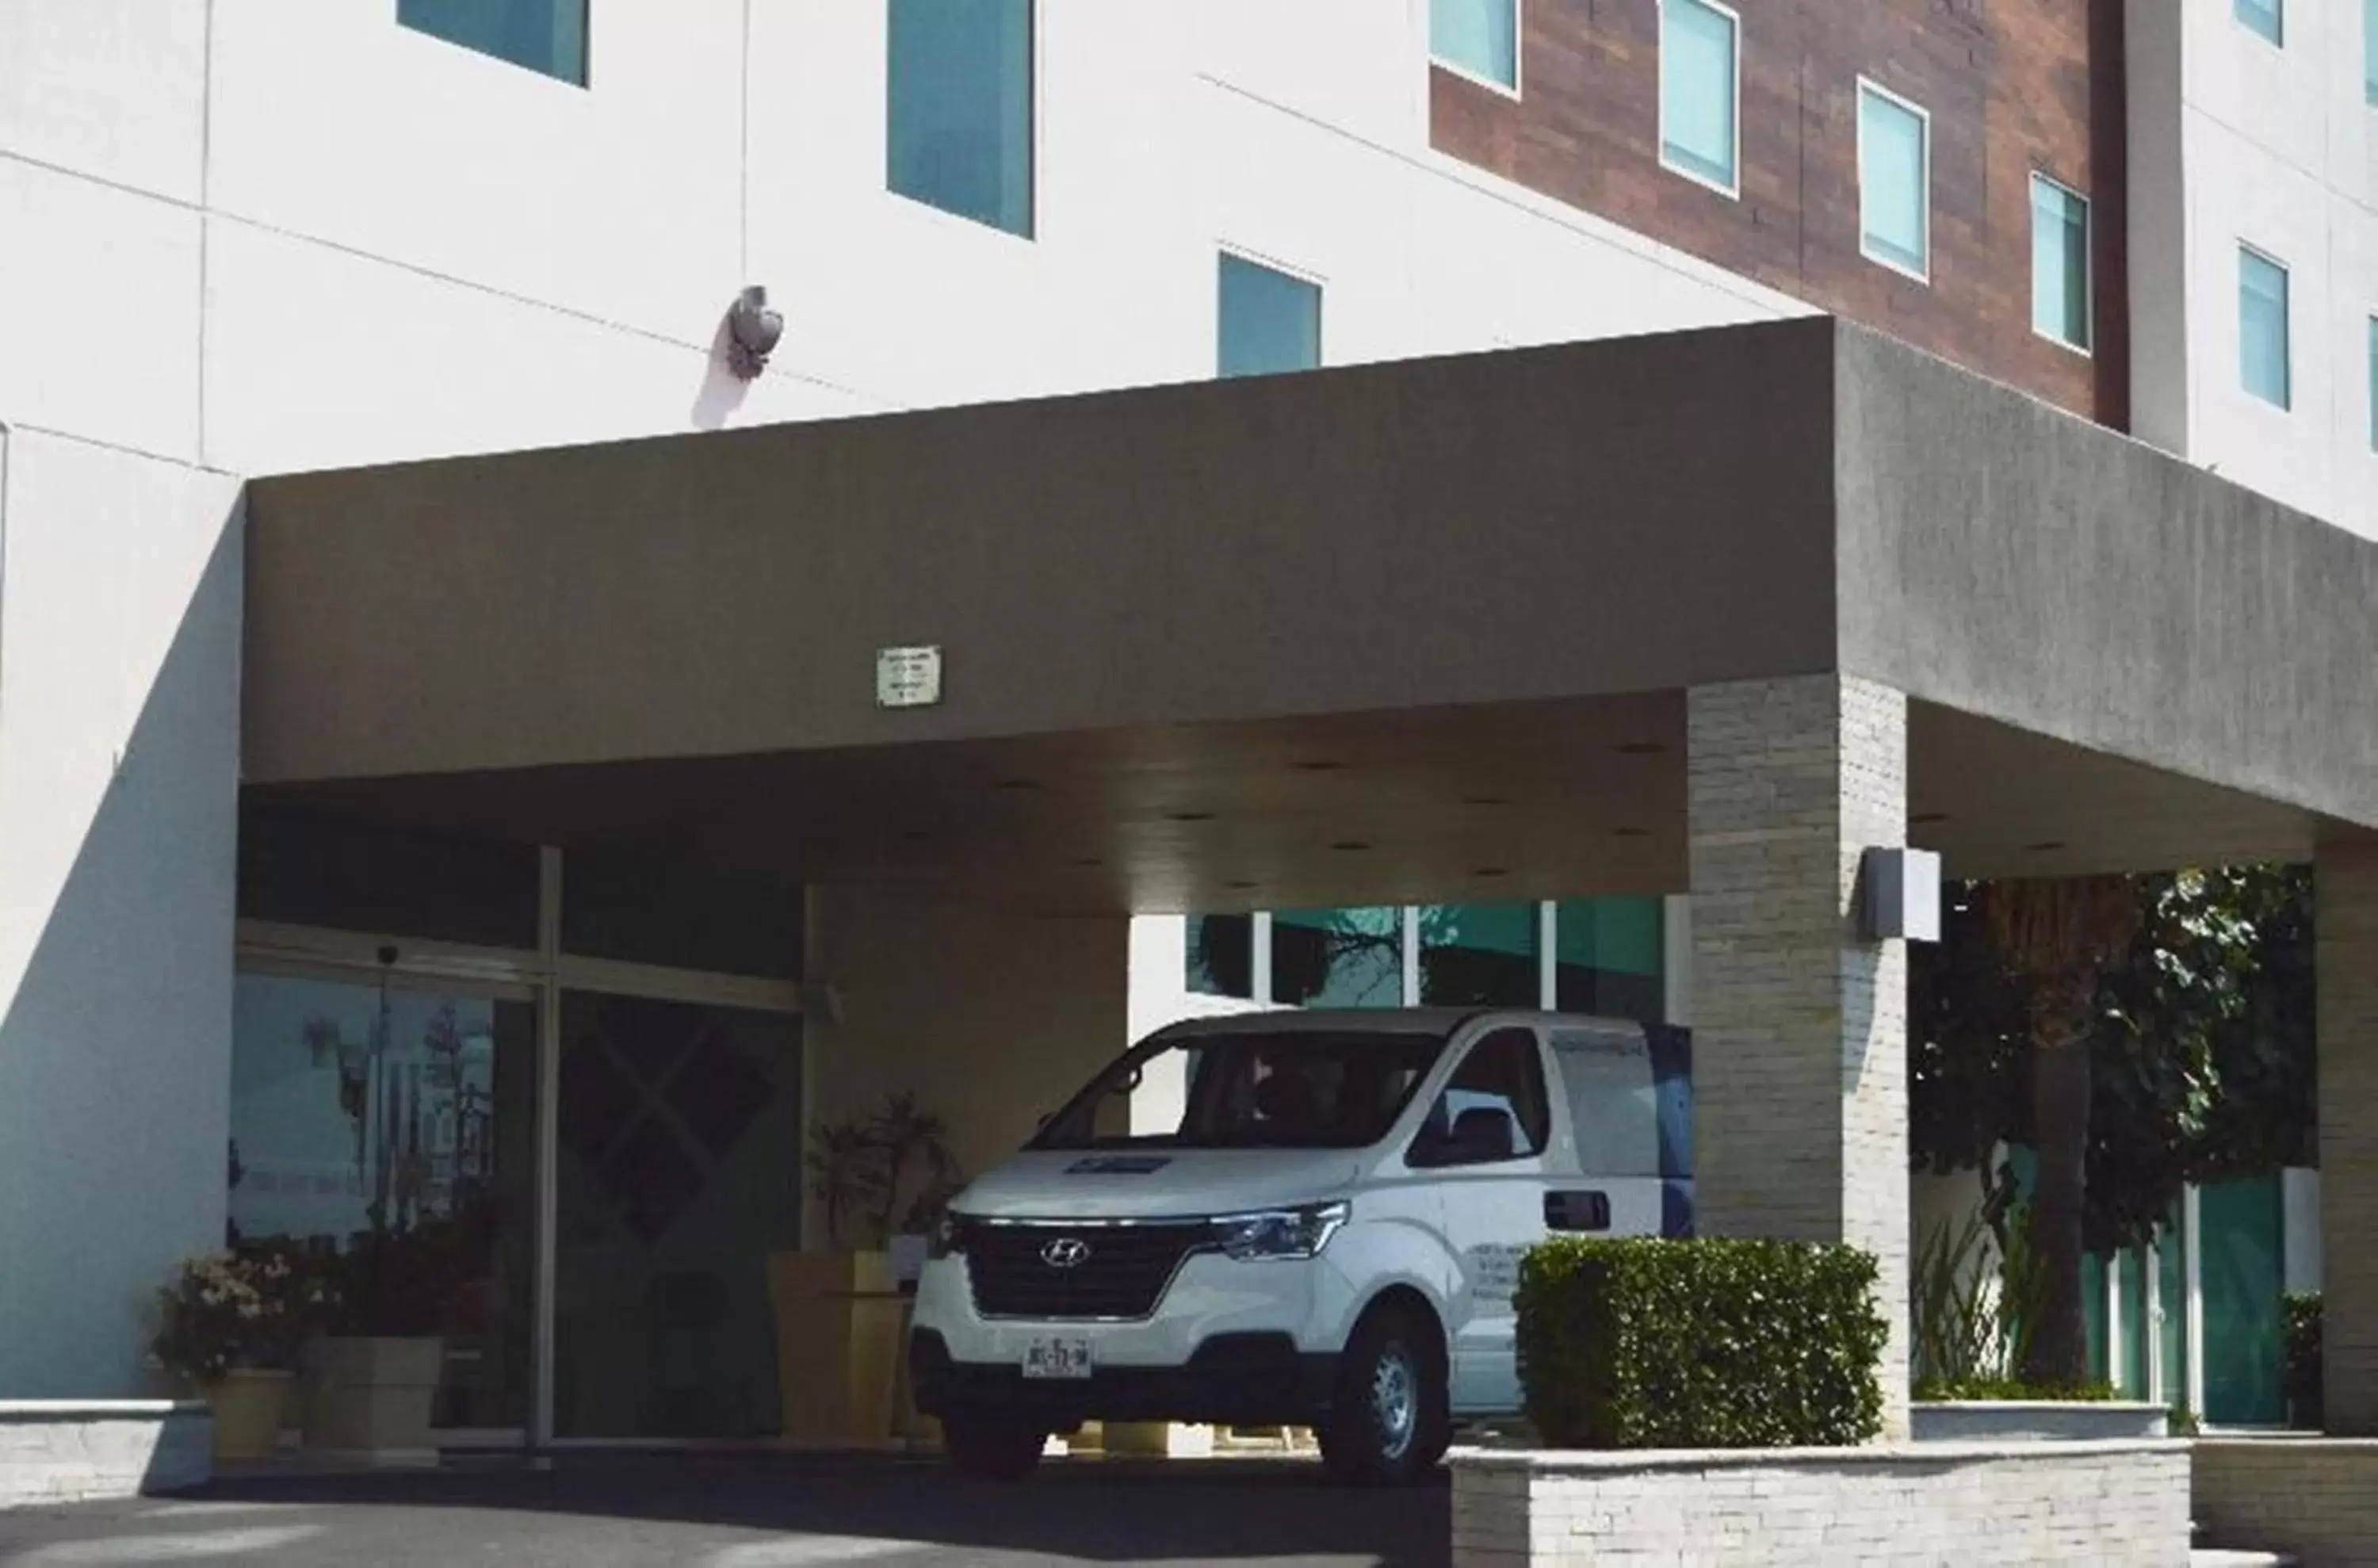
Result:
x=1281 y=1233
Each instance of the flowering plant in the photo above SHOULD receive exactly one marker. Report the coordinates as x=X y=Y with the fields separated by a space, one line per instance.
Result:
x=249 y=1308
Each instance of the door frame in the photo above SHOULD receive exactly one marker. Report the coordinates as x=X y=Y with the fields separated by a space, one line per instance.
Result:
x=539 y=976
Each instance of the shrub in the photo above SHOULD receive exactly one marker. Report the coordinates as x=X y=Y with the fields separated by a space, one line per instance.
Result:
x=249 y=1309
x=1702 y=1344
x=2303 y=1360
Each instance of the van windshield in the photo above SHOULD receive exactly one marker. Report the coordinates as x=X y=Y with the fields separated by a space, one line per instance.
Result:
x=1294 y=1089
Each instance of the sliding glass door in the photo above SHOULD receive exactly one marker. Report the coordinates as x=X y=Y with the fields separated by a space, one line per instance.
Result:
x=678 y=1174
x=404 y=1112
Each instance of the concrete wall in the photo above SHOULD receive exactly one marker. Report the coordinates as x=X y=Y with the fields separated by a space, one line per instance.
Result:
x=2314 y=1496
x=119 y=744
x=994 y=1019
x=2233 y=140
x=2016 y=1504
x=55 y=1452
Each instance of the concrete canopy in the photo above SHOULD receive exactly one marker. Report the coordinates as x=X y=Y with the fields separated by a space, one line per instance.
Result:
x=1405 y=632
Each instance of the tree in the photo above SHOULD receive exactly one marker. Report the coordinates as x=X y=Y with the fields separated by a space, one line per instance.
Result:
x=2057 y=936
x=2200 y=1045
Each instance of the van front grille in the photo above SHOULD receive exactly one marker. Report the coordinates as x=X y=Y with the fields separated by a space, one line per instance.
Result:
x=1052 y=1272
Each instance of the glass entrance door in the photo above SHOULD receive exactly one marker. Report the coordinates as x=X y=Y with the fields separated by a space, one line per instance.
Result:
x=678 y=1172
x=402 y=1118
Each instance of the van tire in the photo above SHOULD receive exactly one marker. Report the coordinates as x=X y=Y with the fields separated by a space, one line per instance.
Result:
x=1388 y=1422
x=991 y=1448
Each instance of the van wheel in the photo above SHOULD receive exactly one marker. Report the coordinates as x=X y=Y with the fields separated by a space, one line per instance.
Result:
x=991 y=1448
x=1388 y=1423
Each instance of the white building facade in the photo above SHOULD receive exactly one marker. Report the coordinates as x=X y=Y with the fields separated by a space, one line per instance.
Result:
x=242 y=238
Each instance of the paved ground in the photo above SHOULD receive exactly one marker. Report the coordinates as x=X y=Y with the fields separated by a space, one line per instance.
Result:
x=754 y=1514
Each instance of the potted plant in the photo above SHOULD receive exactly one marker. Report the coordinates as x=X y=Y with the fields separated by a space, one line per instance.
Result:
x=372 y=1376
x=230 y=1324
x=840 y=1312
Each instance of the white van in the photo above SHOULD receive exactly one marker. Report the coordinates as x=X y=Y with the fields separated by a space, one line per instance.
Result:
x=1295 y=1219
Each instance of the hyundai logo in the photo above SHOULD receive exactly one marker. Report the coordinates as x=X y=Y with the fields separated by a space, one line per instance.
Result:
x=1065 y=1252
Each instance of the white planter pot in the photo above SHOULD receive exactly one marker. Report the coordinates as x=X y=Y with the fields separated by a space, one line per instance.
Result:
x=372 y=1398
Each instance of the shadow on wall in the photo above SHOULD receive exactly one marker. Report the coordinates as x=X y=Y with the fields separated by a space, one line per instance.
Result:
x=115 y=1047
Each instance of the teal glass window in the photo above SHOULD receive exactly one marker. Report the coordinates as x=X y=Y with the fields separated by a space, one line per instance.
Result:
x=2370 y=51
x=1895 y=181
x=1479 y=37
x=1699 y=90
x=2263 y=358
x=1267 y=321
x=1221 y=955
x=2242 y=1274
x=1480 y=955
x=959 y=93
x=1609 y=958
x=1337 y=958
x=2060 y=263
x=544 y=36
x=2266 y=19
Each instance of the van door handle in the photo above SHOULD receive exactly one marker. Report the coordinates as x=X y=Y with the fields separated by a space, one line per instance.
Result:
x=1587 y=1210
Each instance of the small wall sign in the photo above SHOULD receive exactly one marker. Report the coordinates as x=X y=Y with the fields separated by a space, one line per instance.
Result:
x=907 y=677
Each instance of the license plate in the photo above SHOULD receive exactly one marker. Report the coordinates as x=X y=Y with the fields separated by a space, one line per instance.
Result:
x=1057 y=1358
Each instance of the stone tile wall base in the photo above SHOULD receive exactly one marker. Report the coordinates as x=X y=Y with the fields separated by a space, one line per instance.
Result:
x=2314 y=1496
x=56 y=1452
x=1974 y=1505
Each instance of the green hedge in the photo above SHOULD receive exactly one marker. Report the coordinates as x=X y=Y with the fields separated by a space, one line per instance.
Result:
x=1702 y=1344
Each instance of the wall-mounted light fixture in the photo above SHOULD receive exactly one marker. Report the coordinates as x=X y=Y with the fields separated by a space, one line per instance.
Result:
x=752 y=332
x=1901 y=896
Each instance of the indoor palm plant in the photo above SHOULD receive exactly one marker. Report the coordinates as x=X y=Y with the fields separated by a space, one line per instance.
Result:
x=875 y=1175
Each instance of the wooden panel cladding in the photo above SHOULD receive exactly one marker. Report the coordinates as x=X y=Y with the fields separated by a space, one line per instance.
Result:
x=2012 y=85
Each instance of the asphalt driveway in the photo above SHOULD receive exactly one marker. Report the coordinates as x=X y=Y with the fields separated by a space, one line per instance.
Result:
x=611 y=1512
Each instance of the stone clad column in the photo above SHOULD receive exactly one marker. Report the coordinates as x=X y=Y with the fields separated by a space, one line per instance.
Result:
x=2345 y=1018
x=1799 y=1026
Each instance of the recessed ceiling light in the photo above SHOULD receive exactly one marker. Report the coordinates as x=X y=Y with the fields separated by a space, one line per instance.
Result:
x=1349 y=844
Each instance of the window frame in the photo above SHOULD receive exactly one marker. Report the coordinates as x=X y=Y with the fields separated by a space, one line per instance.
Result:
x=2287 y=328
x=1868 y=86
x=1514 y=89
x=1734 y=86
x=584 y=81
x=1413 y=1147
x=2087 y=350
x=1320 y=286
x=2278 y=37
x=1033 y=137
x=2370 y=374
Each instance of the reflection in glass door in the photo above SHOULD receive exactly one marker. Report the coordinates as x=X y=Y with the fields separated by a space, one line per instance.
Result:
x=678 y=1172
x=362 y=1108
